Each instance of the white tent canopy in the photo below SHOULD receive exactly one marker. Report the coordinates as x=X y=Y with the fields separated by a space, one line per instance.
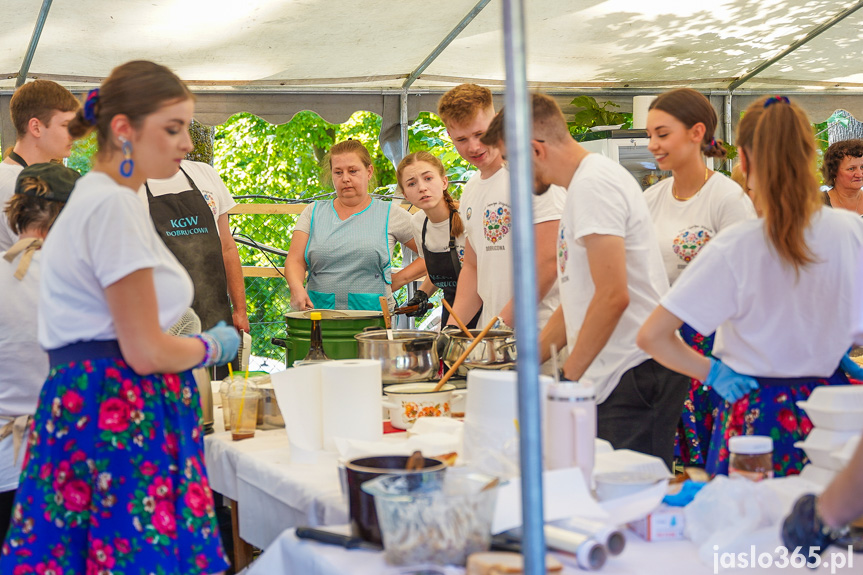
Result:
x=276 y=57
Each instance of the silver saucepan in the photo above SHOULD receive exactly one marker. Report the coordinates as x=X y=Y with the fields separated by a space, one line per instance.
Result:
x=495 y=351
x=410 y=356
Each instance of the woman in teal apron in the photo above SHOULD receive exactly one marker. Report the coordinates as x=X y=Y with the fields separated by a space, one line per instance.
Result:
x=345 y=244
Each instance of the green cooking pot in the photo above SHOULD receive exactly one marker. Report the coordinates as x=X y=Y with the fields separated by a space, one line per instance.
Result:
x=338 y=328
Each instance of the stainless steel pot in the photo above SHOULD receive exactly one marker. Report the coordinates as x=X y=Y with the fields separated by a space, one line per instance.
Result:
x=495 y=351
x=410 y=356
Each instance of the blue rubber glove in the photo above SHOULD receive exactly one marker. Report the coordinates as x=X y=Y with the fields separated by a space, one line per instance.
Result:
x=850 y=367
x=222 y=342
x=729 y=384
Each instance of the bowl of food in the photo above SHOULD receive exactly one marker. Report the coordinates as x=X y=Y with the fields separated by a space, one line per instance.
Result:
x=440 y=523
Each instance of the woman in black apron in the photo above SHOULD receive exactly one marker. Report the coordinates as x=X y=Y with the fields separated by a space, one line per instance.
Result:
x=186 y=224
x=438 y=228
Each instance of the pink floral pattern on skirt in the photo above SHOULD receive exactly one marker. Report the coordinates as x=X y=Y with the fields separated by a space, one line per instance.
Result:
x=114 y=482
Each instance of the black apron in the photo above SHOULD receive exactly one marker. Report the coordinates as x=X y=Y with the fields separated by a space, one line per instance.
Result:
x=13 y=155
x=186 y=224
x=443 y=269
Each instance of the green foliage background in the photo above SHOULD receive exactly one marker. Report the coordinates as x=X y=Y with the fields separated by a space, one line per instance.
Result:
x=282 y=163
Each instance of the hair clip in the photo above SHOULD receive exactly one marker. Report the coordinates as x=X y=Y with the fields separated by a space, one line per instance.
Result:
x=712 y=142
x=774 y=99
x=90 y=105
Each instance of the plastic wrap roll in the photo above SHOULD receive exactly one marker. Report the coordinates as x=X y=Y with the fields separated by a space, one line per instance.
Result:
x=589 y=554
x=351 y=400
x=610 y=537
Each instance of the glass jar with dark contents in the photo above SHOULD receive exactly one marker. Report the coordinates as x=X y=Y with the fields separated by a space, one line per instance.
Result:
x=751 y=457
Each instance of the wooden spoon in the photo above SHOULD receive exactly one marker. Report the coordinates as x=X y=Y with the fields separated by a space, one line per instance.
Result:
x=388 y=319
x=465 y=353
x=415 y=462
x=460 y=323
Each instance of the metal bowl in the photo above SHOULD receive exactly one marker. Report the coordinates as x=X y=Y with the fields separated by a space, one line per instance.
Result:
x=410 y=356
x=495 y=351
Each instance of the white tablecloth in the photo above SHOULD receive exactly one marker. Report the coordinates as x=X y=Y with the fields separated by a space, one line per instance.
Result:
x=272 y=493
x=289 y=555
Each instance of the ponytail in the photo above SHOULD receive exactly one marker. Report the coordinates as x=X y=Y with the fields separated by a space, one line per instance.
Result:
x=777 y=137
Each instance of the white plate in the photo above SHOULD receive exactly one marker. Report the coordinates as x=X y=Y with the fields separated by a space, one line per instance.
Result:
x=831 y=418
x=605 y=128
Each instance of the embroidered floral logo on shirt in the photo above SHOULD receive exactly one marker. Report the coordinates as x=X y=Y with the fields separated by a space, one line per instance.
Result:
x=562 y=249
x=496 y=222
x=689 y=242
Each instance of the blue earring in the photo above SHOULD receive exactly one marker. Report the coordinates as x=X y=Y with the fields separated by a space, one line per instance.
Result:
x=127 y=165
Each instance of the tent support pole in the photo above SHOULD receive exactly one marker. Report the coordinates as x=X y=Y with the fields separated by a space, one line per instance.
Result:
x=407 y=255
x=34 y=41
x=412 y=77
x=793 y=46
x=519 y=128
x=729 y=135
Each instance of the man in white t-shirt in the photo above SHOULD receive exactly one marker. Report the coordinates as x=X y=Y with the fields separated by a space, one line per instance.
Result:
x=611 y=277
x=486 y=275
x=41 y=111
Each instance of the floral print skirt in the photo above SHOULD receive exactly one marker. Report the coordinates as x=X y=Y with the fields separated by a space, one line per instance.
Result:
x=700 y=409
x=114 y=482
x=770 y=410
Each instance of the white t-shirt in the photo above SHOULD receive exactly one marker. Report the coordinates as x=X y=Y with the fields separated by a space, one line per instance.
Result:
x=486 y=212
x=25 y=365
x=399 y=230
x=8 y=177
x=768 y=321
x=437 y=235
x=205 y=177
x=603 y=198
x=102 y=235
x=683 y=228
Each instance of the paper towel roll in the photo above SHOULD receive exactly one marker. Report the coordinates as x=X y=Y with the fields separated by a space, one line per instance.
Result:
x=491 y=412
x=298 y=393
x=640 y=105
x=351 y=400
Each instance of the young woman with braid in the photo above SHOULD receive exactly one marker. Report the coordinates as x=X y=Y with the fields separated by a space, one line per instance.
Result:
x=760 y=285
x=438 y=228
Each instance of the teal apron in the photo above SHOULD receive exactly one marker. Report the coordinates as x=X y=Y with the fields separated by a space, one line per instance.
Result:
x=348 y=260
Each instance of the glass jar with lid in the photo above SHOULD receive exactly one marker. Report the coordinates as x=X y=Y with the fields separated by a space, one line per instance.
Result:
x=751 y=457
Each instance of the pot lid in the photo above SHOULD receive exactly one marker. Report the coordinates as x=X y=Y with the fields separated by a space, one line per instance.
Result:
x=335 y=314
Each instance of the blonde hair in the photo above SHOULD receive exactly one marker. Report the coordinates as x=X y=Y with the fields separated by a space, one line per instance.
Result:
x=339 y=149
x=778 y=135
x=423 y=156
x=24 y=211
x=461 y=104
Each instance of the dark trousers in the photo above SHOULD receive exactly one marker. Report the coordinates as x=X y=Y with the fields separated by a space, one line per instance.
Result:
x=7 y=501
x=642 y=412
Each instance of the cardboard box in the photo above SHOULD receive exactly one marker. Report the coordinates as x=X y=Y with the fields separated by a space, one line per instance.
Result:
x=664 y=524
